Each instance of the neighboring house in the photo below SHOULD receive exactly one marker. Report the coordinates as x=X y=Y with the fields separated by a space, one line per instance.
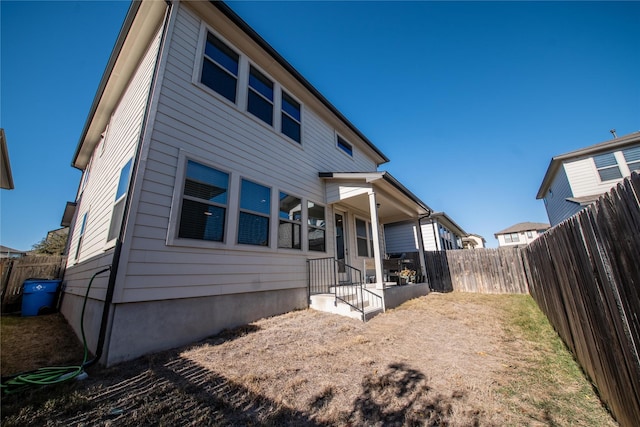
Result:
x=474 y=241
x=6 y=178
x=212 y=172
x=576 y=179
x=438 y=232
x=6 y=252
x=520 y=234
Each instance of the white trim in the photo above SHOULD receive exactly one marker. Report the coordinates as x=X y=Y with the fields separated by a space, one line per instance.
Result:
x=338 y=135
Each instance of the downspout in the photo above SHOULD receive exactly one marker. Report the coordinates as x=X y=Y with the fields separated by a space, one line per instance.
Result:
x=435 y=236
x=127 y=207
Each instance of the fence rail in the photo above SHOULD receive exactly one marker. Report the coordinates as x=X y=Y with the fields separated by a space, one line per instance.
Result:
x=16 y=270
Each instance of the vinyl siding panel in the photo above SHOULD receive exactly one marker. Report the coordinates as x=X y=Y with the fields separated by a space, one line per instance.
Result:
x=192 y=120
x=558 y=208
x=584 y=178
x=400 y=237
x=118 y=146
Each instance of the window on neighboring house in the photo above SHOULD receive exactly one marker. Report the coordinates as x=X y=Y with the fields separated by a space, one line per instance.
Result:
x=291 y=118
x=255 y=209
x=204 y=203
x=607 y=167
x=220 y=68
x=632 y=157
x=118 y=206
x=364 y=238
x=530 y=234
x=83 y=224
x=511 y=238
x=345 y=146
x=316 y=227
x=260 y=97
x=290 y=224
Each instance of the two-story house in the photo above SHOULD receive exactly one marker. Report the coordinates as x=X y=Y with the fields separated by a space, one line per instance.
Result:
x=212 y=173
x=521 y=234
x=576 y=179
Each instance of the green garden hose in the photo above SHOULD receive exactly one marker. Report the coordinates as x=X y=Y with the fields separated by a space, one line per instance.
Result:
x=55 y=374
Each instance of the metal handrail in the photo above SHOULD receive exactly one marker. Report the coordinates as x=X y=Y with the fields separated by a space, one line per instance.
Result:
x=333 y=276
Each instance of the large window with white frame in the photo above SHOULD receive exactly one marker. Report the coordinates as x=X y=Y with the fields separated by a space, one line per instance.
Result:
x=316 y=227
x=290 y=222
x=607 y=167
x=119 y=203
x=204 y=203
x=220 y=68
x=512 y=238
x=632 y=157
x=255 y=210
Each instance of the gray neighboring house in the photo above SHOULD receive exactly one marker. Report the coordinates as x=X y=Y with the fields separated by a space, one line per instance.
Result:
x=213 y=173
x=578 y=178
x=439 y=232
x=521 y=234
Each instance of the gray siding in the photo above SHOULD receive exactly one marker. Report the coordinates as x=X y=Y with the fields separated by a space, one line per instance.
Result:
x=192 y=120
x=98 y=196
x=558 y=208
x=400 y=237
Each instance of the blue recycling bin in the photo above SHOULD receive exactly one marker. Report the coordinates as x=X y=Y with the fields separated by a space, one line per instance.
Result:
x=38 y=296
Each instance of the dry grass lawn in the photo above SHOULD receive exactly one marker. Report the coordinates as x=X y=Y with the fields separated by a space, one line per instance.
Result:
x=441 y=360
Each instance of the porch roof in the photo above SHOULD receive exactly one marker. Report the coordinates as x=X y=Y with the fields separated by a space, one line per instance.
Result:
x=395 y=201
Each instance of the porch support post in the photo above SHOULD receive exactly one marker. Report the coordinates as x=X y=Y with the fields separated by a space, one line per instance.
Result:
x=423 y=267
x=375 y=229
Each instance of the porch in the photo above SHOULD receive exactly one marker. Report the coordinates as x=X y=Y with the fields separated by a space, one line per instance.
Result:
x=341 y=289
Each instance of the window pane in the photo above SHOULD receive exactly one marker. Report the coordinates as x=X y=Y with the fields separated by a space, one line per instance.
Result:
x=218 y=80
x=291 y=128
x=345 y=146
x=255 y=197
x=635 y=166
x=605 y=160
x=219 y=52
x=289 y=235
x=316 y=214
x=608 y=174
x=361 y=228
x=316 y=239
x=260 y=108
x=201 y=221
x=261 y=84
x=206 y=183
x=116 y=220
x=290 y=106
x=123 y=182
x=253 y=229
x=290 y=207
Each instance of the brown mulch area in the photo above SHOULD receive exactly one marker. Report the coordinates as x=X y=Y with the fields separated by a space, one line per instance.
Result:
x=444 y=359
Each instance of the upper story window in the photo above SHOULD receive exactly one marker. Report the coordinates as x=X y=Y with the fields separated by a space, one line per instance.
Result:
x=204 y=203
x=220 y=68
x=290 y=222
x=512 y=238
x=632 y=157
x=316 y=227
x=291 y=118
x=607 y=167
x=83 y=225
x=255 y=209
x=260 y=96
x=118 y=206
x=345 y=146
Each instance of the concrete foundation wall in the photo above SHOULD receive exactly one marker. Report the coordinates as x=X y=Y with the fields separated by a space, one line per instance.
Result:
x=71 y=309
x=396 y=295
x=147 y=327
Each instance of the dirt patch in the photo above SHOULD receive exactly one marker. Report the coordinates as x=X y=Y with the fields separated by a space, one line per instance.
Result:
x=445 y=359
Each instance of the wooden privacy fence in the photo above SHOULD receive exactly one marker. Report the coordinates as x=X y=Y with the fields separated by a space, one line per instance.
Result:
x=585 y=275
x=16 y=270
x=479 y=270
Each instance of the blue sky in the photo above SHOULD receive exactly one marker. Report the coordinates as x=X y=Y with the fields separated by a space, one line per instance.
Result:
x=469 y=100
